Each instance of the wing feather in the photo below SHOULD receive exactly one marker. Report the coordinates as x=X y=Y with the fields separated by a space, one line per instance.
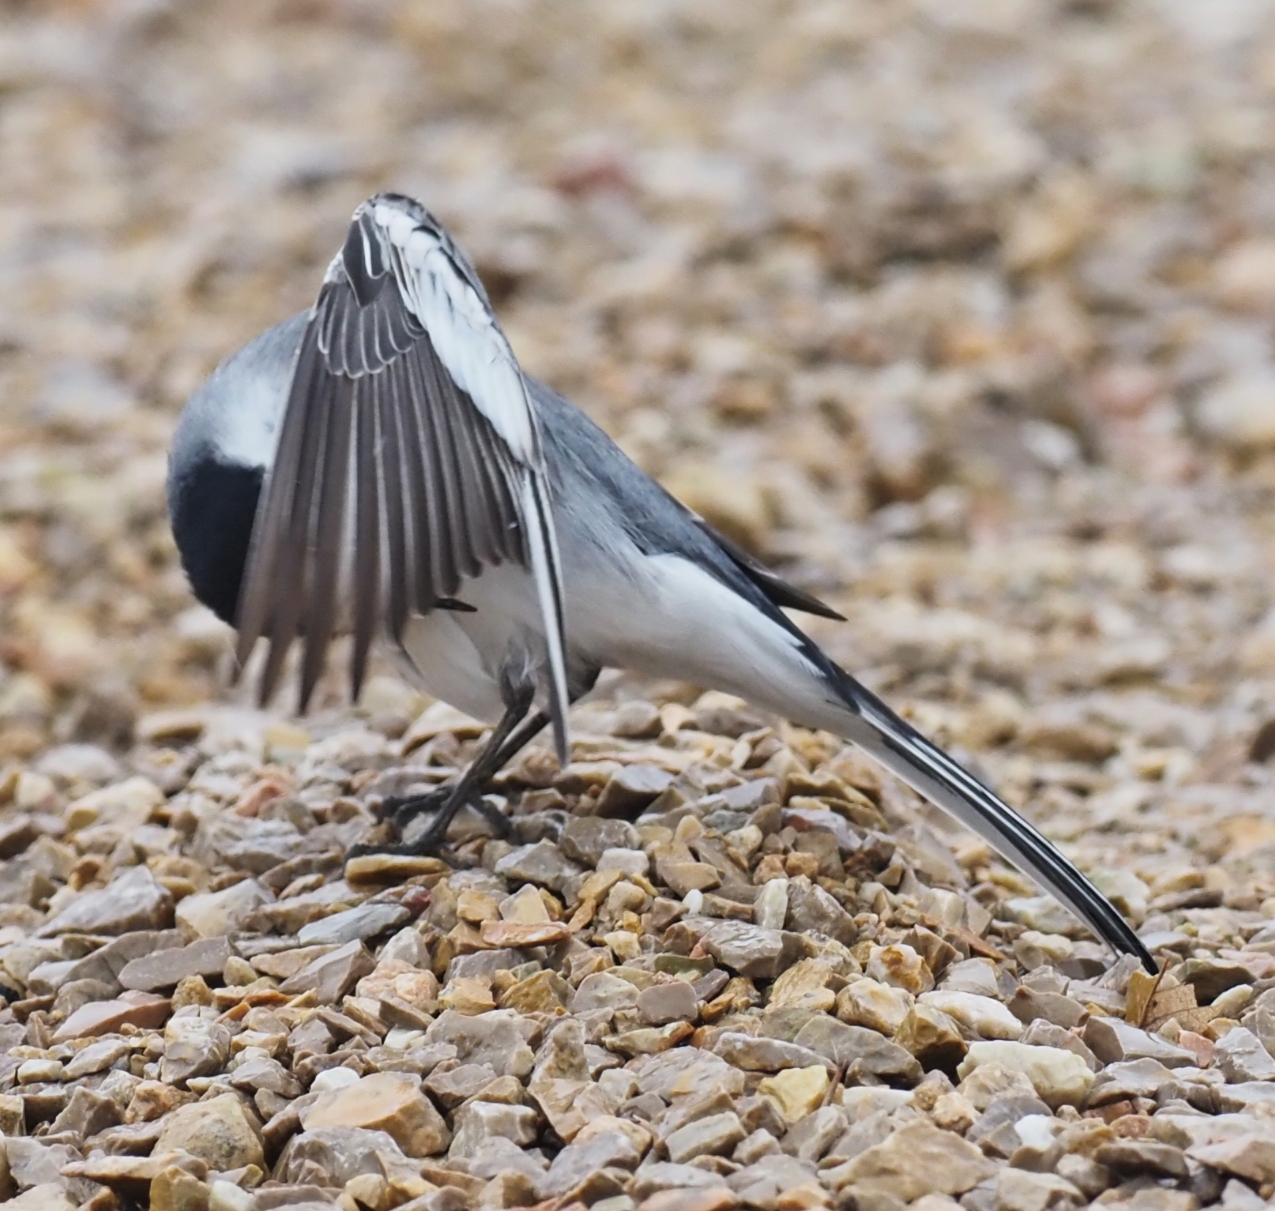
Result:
x=367 y=536
x=400 y=572
x=321 y=608
x=409 y=459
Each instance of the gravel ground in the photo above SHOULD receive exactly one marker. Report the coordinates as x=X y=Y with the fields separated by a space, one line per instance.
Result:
x=959 y=314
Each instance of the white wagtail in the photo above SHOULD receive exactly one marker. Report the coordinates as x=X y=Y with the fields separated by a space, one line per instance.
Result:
x=379 y=466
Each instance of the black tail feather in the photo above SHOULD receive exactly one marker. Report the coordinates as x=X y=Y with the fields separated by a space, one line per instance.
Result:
x=929 y=770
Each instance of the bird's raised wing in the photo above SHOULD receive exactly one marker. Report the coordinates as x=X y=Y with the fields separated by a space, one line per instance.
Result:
x=409 y=458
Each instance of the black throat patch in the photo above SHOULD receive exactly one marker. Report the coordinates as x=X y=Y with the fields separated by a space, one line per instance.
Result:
x=212 y=509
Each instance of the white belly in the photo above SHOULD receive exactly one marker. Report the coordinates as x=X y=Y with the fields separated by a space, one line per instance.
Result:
x=658 y=615
x=669 y=618
x=460 y=656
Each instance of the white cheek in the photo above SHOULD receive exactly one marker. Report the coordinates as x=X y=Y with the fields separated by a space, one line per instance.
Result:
x=249 y=433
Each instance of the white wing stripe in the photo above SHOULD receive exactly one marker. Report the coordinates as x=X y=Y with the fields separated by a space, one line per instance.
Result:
x=468 y=341
x=540 y=544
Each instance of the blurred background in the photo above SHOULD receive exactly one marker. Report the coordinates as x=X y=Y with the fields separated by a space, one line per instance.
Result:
x=961 y=314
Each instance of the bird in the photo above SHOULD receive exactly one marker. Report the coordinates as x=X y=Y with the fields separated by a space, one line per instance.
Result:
x=379 y=466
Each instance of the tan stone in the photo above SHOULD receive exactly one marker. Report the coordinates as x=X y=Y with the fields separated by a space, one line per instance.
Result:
x=218 y=1130
x=142 y=1009
x=796 y=1092
x=175 y=1189
x=477 y=906
x=516 y=933
x=873 y=1004
x=385 y=1101
x=901 y=967
x=396 y=978
x=543 y=992
x=916 y=1160
x=391 y=868
x=1251 y=1157
x=525 y=907
x=468 y=994
x=569 y=1105
x=133 y=1175
x=804 y=986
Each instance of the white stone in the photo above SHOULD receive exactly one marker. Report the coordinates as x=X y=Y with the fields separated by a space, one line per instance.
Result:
x=987 y=1018
x=1060 y=1078
x=334 y=1078
x=771 y=906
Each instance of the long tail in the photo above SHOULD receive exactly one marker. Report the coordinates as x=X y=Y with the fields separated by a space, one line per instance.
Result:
x=930 y=771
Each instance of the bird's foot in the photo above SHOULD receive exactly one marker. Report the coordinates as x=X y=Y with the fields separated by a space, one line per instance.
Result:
x=445 y=802
x=401 y=810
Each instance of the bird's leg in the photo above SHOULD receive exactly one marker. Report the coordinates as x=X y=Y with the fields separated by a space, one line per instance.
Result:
x=511 y=734
x=402 y=810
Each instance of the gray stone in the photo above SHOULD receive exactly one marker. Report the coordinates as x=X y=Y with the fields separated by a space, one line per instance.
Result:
x=96 y=1057
x=585 y=838
x=475 y=1123
x=353 y=925
x=455 y=1085
x=166 y=969
x=1211 y=977
x=654 y=1176
x=1134 y=1156
x=756 y=1054
x=843 y=1045
x=106 y=963
x=491 y=1038
x=1113 y=1040
x=194 y=1045
x=754 y=952
x=49 y=977
x=577 y=1162
x=690 y=1070
x=810 y=1138
x=915 y=1160
x=1041 y=1033
x=762 y=1143
x=672 y=1002
x=32 y=1163
x=813 y=910
x=996 y=1131
x=563 y=1056
x=332 y=975
x=1135 y=1078
x=15 y=835
x=264 y=1073
x=214 y=914
x=628 y=862
x=340 y=1153
x=483 y=963
x=75 y=994
x=630 y=789
x=1028 y=1005
x=1240 y=1057
x=132 y=901
x=714 y=1135
x=542 y=863
x=86 y=1114
x=219 y=1130
x=500 y=1155
x=79 y=763
x=764 y=1183
x=602 y=990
